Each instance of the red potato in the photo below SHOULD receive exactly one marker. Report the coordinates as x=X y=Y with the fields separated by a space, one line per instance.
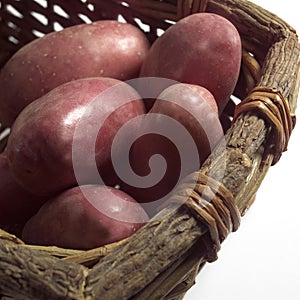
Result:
x=17 y=205
x=103 y=48
x=50 y=130
x=195 y=109
x=84 y=220
x=192 y=97
x=202 y=49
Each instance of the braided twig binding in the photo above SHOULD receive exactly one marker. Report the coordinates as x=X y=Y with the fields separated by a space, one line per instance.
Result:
x=270 y=104
x=212 y=204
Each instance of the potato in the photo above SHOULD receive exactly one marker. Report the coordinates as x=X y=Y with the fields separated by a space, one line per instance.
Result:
x=42 y=142
x=103 y=48
x=192 y=97
x=195 y=109
x=84 y=220
x=17 y=205
x=202 y=49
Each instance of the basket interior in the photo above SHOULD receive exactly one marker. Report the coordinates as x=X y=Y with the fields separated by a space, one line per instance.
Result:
x=24 y=21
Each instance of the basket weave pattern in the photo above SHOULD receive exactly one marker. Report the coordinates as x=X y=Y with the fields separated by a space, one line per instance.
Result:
x=163 y=258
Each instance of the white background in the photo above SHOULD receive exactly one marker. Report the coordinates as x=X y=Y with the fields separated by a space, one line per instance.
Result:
x=262 y=259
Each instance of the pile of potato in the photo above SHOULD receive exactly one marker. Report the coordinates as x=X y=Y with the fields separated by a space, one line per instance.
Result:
x=57 y=89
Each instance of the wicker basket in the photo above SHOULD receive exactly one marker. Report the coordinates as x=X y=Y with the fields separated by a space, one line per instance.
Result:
x=163 y=258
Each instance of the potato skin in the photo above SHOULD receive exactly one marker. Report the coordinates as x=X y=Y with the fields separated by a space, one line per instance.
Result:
x=70 y=220
x=202 y=49
x=103 y=48
x=40 y=146
x=17 y=205
x=181 y=102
